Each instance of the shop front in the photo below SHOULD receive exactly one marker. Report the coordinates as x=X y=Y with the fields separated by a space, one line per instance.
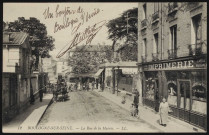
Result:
x=183 y=83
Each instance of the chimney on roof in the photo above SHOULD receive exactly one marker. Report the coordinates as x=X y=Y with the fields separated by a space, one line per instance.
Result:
x=10 y=38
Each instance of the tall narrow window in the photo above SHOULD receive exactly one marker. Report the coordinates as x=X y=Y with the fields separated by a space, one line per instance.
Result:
x=144 y=11
x=144 y=48
x=196 y=30
x=173 y=31
x=155 y=43
x=172 y=52
x=156 y=7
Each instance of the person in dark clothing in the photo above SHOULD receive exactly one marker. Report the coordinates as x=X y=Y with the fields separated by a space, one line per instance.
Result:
x=41 y=94
x=157 y=102
x=136 y=100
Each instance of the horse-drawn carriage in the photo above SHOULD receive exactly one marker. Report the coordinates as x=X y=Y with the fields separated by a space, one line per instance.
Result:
x=61 y=89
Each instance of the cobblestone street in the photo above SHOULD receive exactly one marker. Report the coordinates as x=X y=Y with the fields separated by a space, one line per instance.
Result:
x=90 y=112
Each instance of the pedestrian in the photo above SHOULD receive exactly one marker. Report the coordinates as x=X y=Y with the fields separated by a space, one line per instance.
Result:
x=41 y=94
x=133 y=110
x=136 y=100
x=76 y=86
x=156 y=101
x=54 y=92
x=163 y=112
x=93 y=83
x=70 y=87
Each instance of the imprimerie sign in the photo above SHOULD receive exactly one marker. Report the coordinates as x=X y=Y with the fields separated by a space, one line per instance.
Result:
x=177 y=65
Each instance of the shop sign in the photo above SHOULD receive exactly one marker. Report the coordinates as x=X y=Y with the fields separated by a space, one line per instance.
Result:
x=172 y=65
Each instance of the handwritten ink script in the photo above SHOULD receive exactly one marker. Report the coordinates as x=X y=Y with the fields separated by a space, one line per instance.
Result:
x=75 y=19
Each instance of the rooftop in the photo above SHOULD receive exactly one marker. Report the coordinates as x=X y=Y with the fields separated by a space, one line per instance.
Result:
x=92 y=48
x=14 y=38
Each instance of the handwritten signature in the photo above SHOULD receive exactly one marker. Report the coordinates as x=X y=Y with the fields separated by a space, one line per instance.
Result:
x=88 y=34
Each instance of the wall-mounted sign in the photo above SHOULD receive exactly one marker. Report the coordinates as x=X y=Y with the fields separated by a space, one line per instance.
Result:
x=171 y=65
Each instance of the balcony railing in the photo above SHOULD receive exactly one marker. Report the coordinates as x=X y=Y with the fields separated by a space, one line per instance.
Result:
x=195 y=49
x=155 y=16
x=172 y=6
x=172 y=54
x=144 y=59
x=144 y=23
x=155 y=57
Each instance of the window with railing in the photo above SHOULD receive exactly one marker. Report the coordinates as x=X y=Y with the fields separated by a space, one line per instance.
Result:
x=144 y=16
x=155 y=47
x=155 y=57
x=144 y=11
x=195 y=48
x=155 y=15
x=144 y=58
x=144 y=23
x=172 y=51
x=172 y=6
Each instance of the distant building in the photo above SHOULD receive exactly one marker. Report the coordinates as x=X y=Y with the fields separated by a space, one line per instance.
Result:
x=172 y=51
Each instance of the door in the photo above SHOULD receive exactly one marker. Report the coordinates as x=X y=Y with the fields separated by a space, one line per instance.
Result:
x=184 y=101
x=13 y=90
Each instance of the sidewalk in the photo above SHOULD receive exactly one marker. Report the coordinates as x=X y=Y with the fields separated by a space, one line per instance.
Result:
x=30 y=117
x=146 y=114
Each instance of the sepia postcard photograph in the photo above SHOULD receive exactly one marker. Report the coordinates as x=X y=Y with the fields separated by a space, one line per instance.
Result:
x=104 y=67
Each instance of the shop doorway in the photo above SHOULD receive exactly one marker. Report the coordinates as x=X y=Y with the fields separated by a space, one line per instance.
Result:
x=184 y=99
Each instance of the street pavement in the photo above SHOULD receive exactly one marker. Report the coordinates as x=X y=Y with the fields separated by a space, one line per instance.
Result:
x=90 y=112
x=29 y=117
x=150 y=116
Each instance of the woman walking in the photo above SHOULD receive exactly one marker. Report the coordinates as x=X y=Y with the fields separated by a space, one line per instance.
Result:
x=163 y=112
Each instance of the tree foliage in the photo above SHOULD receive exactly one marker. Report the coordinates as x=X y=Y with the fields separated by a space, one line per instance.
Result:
x=85 y=61
x=117 y=28
x=125 y=27
x=39 y=39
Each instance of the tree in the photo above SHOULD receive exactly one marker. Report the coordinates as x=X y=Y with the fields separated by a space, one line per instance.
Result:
x=125 y=27
x=37 y=32
x=87 y=59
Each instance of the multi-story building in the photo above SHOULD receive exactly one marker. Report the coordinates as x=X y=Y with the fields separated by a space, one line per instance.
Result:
x=16 y=73
x=172 y=51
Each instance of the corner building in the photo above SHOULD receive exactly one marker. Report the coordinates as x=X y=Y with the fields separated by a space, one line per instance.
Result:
x=172 y=58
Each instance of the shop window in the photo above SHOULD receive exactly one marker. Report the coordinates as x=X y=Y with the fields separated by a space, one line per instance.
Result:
x=150 y=85
x=150 y=89
x=199 y=92
x=172 y=88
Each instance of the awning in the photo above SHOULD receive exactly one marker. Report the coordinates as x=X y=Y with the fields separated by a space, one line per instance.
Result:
x=98 y=72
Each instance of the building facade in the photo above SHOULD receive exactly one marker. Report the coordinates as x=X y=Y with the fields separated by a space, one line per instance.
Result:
x=16 y=73
x=172 y=53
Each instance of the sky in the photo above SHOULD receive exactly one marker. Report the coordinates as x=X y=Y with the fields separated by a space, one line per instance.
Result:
x=101 y=11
